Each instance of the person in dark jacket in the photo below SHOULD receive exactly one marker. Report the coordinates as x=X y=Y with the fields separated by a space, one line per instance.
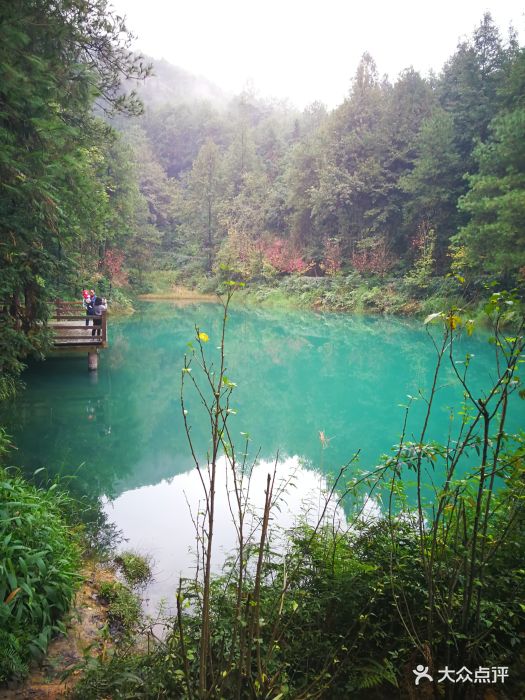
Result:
x=88 y=302
x=99 y=307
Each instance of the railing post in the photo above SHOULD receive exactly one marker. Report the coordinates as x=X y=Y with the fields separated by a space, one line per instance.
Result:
x=104 y=326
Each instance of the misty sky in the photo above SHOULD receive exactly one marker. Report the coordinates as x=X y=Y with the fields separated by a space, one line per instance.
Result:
x=305 y=50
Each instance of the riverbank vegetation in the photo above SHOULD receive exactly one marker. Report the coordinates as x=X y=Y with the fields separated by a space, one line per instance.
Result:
x=40 y=561
x=54 y=556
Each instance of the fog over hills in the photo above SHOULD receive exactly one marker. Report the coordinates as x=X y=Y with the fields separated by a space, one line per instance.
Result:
x=169 y=84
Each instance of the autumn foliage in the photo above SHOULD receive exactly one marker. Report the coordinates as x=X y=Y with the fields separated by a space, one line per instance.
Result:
x=113 y=264
x=282 y=256
x=372 y=255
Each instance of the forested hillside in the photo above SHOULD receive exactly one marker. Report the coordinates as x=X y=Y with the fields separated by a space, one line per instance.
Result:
x=421 y=176
x=416 y=183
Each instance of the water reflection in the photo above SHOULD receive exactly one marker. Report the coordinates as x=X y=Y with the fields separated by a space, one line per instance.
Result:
x=159 y=520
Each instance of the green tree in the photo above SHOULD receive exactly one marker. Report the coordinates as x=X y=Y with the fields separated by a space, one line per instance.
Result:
x=57 y=59
x=348 y=201
x=469 y=85
x=493 y=241
x=203 y=193
x=300 y=178
x=433 y=183
x=408 y=103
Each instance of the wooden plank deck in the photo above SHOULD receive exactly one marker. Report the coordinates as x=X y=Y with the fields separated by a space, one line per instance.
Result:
x=71 y=331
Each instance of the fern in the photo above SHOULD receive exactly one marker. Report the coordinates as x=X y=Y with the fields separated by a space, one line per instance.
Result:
x=374 y=673
x=11 y=662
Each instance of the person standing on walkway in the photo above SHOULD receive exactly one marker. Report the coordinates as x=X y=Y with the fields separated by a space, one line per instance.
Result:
x=88 y=301
x=99 y=307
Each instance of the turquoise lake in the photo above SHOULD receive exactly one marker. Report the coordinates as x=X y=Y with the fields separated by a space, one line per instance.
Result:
x=298 y=374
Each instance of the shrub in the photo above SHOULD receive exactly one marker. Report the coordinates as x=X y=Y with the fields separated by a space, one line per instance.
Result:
x=39 y=565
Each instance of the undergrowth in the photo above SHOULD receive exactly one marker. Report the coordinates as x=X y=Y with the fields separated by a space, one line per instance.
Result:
x=354 y=292
x=124 y=608
x=40 y=557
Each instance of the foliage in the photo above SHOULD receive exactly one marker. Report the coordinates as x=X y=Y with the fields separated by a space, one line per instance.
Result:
x=136 y=568
x=239 y=256
x=59 y=200
x=468 y=524
x=358 y=293
x=124 y=609
x=281 y=257
x=372 y=255
x=39 y=565
x=434 y=182
x=493 y=240
x=424 y=245
x=267 y=192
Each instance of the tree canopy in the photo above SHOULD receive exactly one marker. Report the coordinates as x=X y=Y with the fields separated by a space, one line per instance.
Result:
x=57 y=194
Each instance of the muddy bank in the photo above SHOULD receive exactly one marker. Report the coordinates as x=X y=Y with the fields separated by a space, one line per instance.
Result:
x=84 y=635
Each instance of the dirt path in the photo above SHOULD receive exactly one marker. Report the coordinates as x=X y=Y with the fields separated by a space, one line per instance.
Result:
x=83 y=632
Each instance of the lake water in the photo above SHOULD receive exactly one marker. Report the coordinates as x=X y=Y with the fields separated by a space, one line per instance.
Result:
x=298 y=374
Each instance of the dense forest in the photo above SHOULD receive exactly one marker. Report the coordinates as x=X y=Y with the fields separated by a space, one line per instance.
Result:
x=105 y=178
x=419 y=176
x=391 y=180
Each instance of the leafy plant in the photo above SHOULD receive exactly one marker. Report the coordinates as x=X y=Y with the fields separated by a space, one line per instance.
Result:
x=135 y=568
x=124 y=608
x=39 y=569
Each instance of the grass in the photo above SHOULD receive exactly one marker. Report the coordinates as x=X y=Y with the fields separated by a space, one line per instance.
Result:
x=124 y=609
x=166 y=284
x=135 y=568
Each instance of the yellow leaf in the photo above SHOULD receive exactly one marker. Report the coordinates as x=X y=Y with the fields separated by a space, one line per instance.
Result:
x=469 y=325
x=12 y=595
x=204 y=337
x=453 y=321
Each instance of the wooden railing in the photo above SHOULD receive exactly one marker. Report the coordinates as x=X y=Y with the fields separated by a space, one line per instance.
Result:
x=71 y=333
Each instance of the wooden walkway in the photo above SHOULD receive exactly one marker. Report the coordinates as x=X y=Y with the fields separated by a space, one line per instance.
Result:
x=71 y=331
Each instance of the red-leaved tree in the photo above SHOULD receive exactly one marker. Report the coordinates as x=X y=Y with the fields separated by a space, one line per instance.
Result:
x=282 y=256
x=113 y=265
x=373 y=255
